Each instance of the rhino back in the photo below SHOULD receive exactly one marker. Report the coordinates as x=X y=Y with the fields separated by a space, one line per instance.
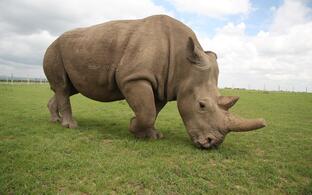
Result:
x=101 y=59
x=88 y=56
x=156 y=52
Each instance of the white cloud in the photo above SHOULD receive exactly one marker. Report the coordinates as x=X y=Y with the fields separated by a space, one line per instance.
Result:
x=27 y=16
x=26 y=49
x=272 y=58
x=281 y=55
x=212 y=8
x=20 y=70
x=27 y=27
x=291 y=13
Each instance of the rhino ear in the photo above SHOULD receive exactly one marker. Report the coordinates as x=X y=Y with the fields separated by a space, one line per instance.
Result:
x=226 y=102
x=193 y=52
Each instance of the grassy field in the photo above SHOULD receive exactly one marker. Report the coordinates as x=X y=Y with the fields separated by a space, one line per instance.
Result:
x=102 y=157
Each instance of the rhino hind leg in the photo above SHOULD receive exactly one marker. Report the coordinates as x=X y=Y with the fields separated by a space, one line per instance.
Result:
x=140 y=97
x=52 y=106
x=64 y=107
x=59 y=105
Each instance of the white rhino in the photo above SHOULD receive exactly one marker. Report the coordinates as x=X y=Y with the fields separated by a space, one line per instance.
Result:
x=148 y=62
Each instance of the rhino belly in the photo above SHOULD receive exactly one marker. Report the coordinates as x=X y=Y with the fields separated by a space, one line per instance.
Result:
x=92 y=78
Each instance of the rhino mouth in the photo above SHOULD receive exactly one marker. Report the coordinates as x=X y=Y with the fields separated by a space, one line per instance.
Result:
x=208 y=143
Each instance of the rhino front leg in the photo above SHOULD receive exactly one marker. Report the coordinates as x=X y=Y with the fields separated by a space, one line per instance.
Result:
x=159 y=105
x=140 y=97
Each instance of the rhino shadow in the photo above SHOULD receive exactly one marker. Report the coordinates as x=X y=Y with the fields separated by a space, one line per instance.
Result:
x=114 y=129
x=109 y=128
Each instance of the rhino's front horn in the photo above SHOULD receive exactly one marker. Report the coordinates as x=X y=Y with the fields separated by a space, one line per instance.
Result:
x=238 y=124
x=226 y=102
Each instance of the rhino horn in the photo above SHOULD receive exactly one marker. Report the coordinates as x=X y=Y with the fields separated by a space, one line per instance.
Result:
x=238 y=124
x=226 y=102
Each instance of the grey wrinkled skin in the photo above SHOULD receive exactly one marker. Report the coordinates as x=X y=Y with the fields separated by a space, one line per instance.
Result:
x=148 y=62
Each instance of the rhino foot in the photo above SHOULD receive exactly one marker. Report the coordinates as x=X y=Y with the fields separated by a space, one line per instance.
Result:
x=149 y=134
x=55 y=119
x=69 y=124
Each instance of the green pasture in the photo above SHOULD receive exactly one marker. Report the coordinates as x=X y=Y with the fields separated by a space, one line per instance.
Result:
x=102 y=157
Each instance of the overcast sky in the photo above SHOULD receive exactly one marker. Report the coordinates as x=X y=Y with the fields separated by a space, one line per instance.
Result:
x=259 y=43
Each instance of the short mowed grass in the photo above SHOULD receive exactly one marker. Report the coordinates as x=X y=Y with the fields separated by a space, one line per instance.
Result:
x=102 y=157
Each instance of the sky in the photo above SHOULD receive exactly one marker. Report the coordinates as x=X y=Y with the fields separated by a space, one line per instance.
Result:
x=260 y=44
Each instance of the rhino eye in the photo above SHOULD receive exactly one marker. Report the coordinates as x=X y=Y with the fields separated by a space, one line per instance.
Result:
x=205 y=106
x=202 y=105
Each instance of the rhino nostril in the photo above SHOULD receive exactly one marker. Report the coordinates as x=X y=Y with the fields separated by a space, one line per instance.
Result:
x=207 y=143
x=209 y=140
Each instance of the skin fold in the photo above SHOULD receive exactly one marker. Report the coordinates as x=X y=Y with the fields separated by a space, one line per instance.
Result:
x=148 y=62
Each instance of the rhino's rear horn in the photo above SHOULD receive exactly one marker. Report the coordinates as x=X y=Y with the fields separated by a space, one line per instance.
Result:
x=226 y=102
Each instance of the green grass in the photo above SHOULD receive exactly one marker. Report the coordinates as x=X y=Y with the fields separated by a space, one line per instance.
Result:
x=102 y=157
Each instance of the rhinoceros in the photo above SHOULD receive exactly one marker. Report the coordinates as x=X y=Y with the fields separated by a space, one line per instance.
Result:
x=148 y=62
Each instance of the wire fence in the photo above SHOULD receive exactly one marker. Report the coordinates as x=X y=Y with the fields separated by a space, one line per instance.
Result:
x=22 y=80
x=274 y=88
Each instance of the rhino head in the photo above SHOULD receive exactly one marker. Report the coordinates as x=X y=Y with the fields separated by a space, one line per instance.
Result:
x=204 y=111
